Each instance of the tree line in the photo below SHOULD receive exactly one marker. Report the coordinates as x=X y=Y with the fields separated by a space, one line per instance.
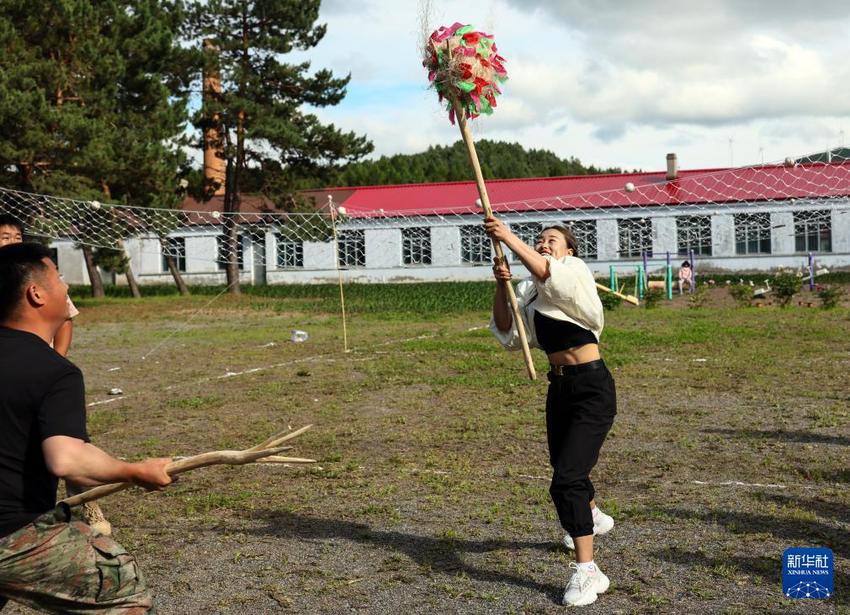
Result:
x=499 y=160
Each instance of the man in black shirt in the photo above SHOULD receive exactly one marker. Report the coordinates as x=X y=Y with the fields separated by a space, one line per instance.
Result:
x=46 y=560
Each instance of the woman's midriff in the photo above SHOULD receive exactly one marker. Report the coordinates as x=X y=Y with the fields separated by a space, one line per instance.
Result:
x=575 y=355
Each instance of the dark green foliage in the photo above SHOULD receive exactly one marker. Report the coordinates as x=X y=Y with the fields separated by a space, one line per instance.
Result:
x=742 y=294
x=85 y=100
x=440 y=163
x=698 y=298
x=110 y=259
x=269 y=139
x=609 y=300
x=87 y=106
x=653 y=298
x=830 y=296
x=425 y=299
x=720 y=279
x=836 y=155
x=785 y=286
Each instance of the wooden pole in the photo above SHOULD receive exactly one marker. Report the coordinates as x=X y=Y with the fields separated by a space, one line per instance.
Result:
x=628 y=298
x=338 y=273
x=497 y=247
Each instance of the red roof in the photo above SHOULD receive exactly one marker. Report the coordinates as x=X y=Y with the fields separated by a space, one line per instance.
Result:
x=707 y=186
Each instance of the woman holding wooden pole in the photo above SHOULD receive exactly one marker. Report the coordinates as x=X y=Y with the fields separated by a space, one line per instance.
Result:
x=559 y=307
x=563 y=315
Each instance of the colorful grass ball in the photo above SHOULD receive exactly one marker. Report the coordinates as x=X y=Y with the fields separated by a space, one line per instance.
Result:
x=465 y=69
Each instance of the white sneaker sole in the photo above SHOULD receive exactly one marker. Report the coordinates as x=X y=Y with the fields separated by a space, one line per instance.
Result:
x=589 y=599
x=602 y=586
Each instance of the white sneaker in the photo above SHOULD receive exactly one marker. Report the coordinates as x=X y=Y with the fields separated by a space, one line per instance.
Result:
x=602 y=524
x=583 y=588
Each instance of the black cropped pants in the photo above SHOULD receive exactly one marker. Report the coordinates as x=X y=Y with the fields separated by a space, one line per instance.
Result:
x=580 y=409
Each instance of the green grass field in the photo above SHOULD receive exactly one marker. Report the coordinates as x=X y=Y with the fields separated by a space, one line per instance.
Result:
x=430 y=495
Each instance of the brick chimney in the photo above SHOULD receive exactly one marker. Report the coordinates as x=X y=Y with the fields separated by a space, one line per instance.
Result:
x=672 y=167
x=214 y=163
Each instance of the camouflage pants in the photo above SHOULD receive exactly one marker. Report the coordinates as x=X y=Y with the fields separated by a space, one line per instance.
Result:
x=57 y=566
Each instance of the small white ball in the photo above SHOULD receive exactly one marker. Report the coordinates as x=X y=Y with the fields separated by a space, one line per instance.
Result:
x=341 y=211
x=630 y=187
x=479 y=204
x=789 y=162
x=95 y=204
x=216 y=215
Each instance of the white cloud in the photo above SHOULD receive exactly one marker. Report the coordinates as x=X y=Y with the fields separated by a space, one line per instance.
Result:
x=613 y=83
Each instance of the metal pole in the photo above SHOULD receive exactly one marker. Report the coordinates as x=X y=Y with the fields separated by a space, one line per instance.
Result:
x=811 y=271
x=613 y=277
x=693 y=270
x=639 y=281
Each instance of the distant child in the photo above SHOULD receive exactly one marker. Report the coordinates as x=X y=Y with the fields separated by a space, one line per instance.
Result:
x=686 y=276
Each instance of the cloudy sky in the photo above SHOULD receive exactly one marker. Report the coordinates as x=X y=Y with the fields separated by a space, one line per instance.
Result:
x=614 y=83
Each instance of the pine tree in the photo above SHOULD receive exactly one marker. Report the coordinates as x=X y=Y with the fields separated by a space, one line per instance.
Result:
x=259 y=113
x=84 y=94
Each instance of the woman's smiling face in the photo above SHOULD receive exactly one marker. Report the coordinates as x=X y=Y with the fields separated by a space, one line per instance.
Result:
x=554 y=243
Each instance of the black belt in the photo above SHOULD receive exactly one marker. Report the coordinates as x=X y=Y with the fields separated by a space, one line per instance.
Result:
x=572 y=370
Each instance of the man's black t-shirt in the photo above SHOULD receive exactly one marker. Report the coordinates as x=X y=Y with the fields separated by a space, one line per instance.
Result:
x=41 y=395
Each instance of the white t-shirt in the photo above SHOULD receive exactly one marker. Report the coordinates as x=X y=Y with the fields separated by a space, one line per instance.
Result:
x=73 y=312
x=569 y=293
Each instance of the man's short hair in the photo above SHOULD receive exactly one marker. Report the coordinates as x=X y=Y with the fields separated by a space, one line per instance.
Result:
x=10 y=220
x=19 y=264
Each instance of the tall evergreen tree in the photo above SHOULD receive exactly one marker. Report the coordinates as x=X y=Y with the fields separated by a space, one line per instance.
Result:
x=259 y=113
x=84 y=92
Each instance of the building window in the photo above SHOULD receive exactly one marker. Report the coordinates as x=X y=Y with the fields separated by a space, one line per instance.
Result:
x=416 y=245
x=585 y=234
x=693 y=233
x=475 y=245
x=223 y=255
x=752 y=233
x=635 y=235
x=528 y=232
x=351 y=249
x=176 y=248
x=290 y=254
x=812 y=231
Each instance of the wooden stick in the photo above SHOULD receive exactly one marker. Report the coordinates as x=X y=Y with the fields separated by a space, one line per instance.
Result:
x=339 y=275
x=460 y=114
x=270 y=449
x=628 y=298
x=279 y=438
x=279 y=459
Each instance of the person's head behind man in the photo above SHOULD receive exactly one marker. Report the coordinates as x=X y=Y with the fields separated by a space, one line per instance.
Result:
x=32 y=295
x=11 y=230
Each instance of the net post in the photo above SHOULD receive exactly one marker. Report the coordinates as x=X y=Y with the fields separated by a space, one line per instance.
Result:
x=811 y=272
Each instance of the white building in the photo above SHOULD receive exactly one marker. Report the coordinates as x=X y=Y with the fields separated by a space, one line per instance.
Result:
x=756 y=218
